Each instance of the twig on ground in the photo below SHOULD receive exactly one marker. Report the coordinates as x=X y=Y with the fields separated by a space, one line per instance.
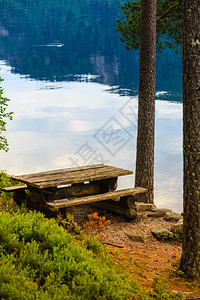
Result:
x=114 y=245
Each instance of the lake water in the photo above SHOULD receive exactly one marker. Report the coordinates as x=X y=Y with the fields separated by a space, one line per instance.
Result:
x=73 y=89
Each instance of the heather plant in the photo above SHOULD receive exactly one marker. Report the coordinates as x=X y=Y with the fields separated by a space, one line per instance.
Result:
x=39 y=260
x=95 y=223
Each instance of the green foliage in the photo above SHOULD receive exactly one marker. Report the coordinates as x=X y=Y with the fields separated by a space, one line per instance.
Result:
x=3 y=116
x=94 y=244
x=180 y=273
x=5 y=180
x=172 y=237
x=130 y=27
x=178 y=236
x=167 y=238
x=176 y=262
x=6 y=201
x=160 y=290
x=169 y=25
x=39 y=260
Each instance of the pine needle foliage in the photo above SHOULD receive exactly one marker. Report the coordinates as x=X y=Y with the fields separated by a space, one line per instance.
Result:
x=169 y=24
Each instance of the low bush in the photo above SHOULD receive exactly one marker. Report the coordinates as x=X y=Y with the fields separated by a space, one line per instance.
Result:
x=39 y=260
x=6 y=200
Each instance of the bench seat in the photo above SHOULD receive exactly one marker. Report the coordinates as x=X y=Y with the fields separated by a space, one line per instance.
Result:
x=14 y=188
x=115 y=195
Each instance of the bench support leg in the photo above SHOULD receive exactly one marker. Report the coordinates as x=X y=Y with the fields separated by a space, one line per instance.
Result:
x=19 y=197
x=124 y=207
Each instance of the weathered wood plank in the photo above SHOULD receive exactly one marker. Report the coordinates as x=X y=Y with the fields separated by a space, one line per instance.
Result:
x=78 y=175
x=71 y=176
x=59 y=171
x=95 y=198
x=79 y=179
x=14 y=188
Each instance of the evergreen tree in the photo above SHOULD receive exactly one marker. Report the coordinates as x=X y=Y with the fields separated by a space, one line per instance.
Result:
x=144 y=175
x=190 y=261
x=139 y=30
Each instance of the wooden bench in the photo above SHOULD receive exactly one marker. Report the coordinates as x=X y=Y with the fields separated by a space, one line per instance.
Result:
x=19 y=195
x=62 y=189
x=115 y=196
x=14 y=188
x=124 y=198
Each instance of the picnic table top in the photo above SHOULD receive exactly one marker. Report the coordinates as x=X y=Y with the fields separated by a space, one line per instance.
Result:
x=71 y=175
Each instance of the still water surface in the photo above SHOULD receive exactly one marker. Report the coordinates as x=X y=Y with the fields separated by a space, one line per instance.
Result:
x=73 y=89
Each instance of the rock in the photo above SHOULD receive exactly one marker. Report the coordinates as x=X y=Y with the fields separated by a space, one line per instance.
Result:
x=186 y=294
x=154 y=209
x=178 y=227
x=172 y=216
x=141 y=206
x=180 y=221
x=160 y=212
x=160 y=232
x=135 y=237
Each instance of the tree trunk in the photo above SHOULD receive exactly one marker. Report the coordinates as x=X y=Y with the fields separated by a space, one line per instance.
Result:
x=190 y=261
x=146 y=106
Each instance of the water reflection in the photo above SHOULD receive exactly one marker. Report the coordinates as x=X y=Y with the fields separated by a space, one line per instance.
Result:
x=70 y=81
x=61 y=40
x=51 y=130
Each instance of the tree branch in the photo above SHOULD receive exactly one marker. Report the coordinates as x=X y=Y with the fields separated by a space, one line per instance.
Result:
x=168 y=10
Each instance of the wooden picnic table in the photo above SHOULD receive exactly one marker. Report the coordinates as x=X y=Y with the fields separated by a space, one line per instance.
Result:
x=62 y=189
x=67 y=176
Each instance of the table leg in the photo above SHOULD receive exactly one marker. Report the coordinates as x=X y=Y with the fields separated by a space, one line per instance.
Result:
x=108 y=185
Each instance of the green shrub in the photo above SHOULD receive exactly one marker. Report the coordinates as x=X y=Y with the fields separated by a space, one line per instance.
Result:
x=15 y=282
x=172 y=238
x=39 y=260
x=167 y=238
x=178 y=237
x=160 y=291
x=94 y=244
x=6 y=200
x=4 y=116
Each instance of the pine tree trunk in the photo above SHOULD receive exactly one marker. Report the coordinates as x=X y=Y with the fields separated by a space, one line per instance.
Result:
x=190 y=261
x=146 y=106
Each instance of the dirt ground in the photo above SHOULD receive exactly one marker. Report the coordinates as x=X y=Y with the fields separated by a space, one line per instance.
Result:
x=143 y=260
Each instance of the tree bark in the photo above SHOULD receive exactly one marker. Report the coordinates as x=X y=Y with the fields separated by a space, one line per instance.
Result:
x=146 y=105
x=190 y=260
